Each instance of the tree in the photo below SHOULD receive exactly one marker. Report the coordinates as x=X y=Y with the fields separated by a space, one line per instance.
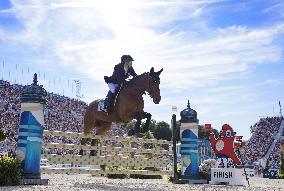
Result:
x=163 y=131
x=205 y=134
x=177 y=131
x=201 y=132
x=215 y=132
x=130 y=125
x=282 y=163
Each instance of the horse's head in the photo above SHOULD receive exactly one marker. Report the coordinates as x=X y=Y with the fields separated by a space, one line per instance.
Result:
x=153 y=85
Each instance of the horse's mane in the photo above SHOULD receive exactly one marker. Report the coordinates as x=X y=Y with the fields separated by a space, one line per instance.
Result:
x=134 y=79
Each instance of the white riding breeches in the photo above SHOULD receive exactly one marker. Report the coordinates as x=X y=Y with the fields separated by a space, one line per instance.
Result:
x=112 y=87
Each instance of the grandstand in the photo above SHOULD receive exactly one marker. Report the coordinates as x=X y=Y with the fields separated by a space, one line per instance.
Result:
x=264 y=144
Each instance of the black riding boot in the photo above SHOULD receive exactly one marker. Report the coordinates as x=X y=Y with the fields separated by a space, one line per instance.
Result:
x=109 y=101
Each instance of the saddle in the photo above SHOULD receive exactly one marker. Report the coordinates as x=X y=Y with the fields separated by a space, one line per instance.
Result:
x=103 y=107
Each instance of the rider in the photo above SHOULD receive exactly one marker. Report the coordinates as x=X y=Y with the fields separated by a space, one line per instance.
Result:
x=121 y=72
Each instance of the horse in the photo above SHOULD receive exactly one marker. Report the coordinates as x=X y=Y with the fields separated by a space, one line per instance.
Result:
x=129 y=106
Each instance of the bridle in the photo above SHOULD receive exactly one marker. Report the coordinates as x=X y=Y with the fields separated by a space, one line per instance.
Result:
x=150 y=90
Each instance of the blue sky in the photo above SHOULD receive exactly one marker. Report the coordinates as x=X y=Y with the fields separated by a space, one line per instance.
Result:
x=225 y=56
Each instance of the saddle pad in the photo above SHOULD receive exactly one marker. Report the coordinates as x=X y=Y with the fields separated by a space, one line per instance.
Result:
x=101 y=105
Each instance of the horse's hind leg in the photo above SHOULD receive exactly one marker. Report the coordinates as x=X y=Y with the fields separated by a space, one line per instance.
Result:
x=101 y=129
x=89 y=124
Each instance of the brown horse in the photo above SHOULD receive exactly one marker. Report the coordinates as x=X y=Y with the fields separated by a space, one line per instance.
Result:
x=129 y=105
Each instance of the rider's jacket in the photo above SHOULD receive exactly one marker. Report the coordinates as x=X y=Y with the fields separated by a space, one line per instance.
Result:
x=119 y=75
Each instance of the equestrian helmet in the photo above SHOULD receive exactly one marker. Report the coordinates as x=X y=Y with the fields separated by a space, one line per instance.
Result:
x=126 y=58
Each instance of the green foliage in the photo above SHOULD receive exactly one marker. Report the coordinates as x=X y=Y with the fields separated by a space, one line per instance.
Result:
x=280 y=176
x=2 y=135
x=136 y=176
x=141 y=176
x=160 y=130
x=205 y=134
x=117 y=176
x=178 y=131
x=281 y=172
x=171 y=178
x=11 y=172
x=215 y=132
x=266 y=169
x=202 y=132
x=282 y=163
x=130 y=125
x=148 y=135
x=163 y=131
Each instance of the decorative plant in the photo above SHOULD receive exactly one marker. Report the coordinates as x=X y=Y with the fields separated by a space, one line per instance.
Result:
x=10 y=171
x=205 y=168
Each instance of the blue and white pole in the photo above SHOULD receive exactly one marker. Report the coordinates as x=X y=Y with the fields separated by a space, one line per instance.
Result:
x=189 y=150
x=31 y=129
x=189 y=144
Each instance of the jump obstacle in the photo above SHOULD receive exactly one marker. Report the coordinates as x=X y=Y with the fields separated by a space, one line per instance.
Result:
x=130 y=154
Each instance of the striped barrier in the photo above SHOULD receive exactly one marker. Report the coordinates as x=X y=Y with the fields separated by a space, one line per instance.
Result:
x=129 y=156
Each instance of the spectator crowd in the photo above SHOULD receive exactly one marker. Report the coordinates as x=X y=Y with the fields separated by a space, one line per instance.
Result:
x=261 y=140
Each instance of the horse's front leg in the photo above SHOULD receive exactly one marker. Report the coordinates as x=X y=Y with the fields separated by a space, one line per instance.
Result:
x=147 y=123
x=138 y=117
